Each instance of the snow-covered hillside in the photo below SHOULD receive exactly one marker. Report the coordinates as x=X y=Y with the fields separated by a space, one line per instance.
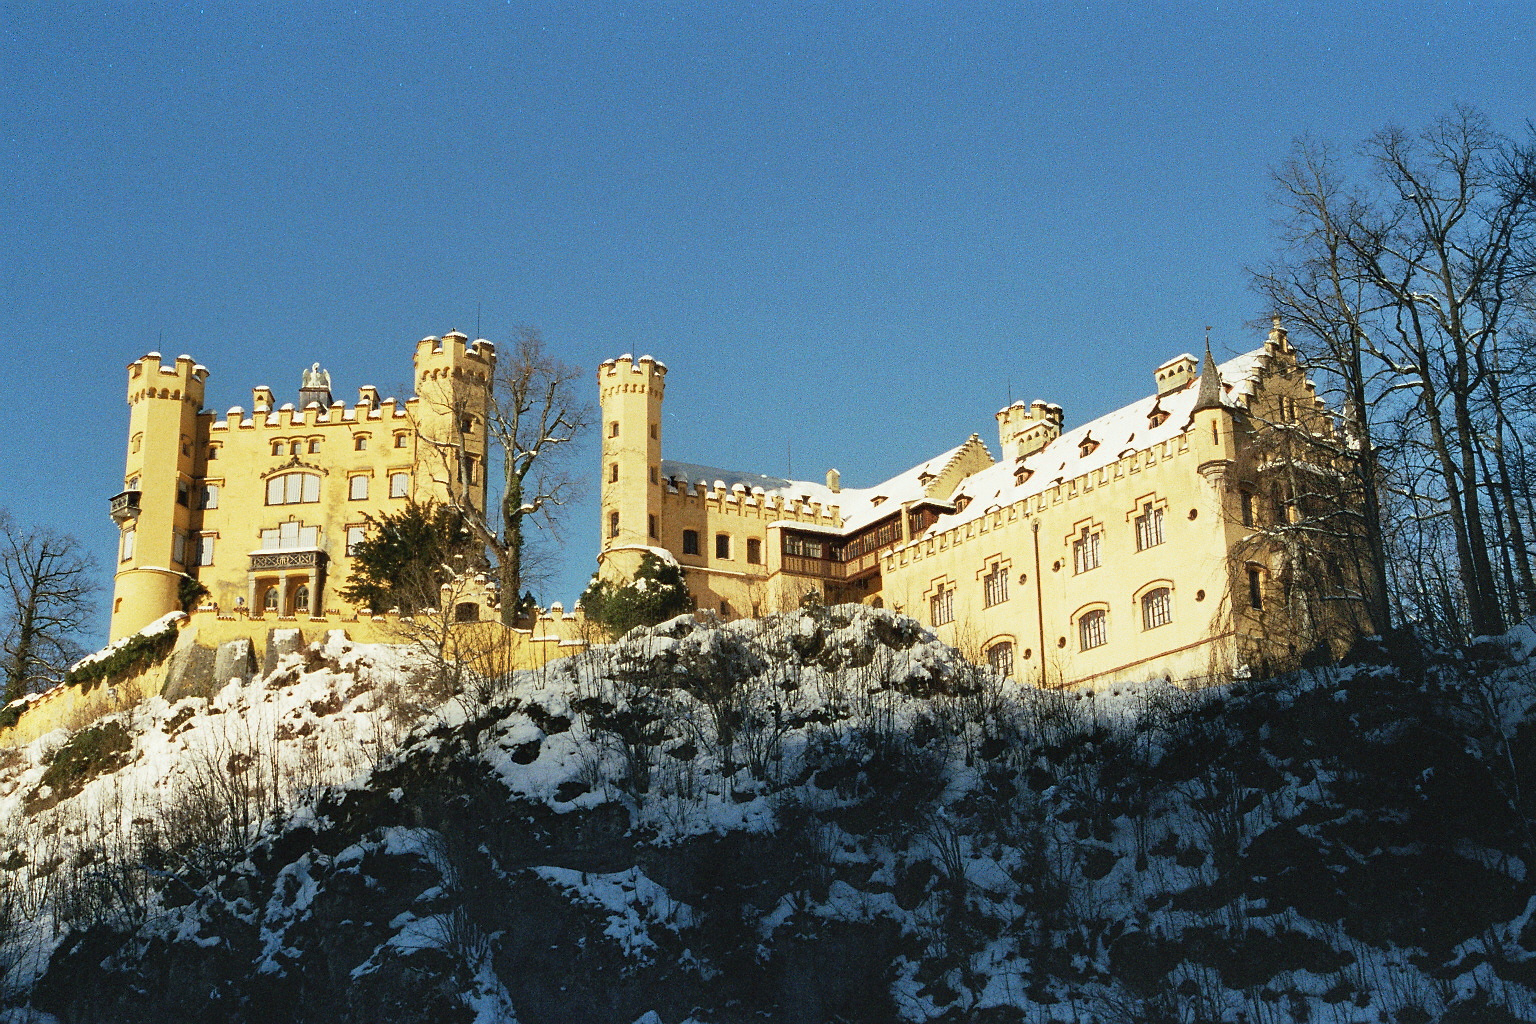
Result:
x=824 y=816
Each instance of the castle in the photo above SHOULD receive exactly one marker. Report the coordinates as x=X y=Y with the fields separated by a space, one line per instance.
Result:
x=1132 y=546
x=263 y=507
x=1142 y=543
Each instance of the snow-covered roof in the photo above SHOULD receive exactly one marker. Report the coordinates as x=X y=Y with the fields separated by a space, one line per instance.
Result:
x=1115 y=433
x=859 y=506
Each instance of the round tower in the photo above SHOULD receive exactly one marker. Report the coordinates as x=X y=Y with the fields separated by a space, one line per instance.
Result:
x=155 y=508
x=630 y=393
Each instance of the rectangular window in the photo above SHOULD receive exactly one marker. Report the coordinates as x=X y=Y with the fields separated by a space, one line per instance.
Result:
x=205 y=549
x=1085 y=551
x=357 y=488
x=995 y=586
x=1249 y=518
x=210 y=496
x=360 y=443
x=754 y=551
x=1091 y=631
x=399 y=485
x=690 y=542
x=469 y=469
x=613 y=524
x=355 y=535
x=613 y=429
x=1156 y=608
x=804 y=547
x=653 y=474
x=941 y=606
x=722 y=545
x=183 y=493
x=1149 y=527
x=1255 y=587
x=613 y=473
x=288 y=536
x=128 y=539
x=400 y=440
x=179 y=548
x=650 y=525
x=213 y=452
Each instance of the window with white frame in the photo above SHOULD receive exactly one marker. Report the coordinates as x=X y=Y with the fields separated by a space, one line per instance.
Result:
x=355 y=536
x=994 y=586
x=1085 y=550
x=205 y=549
x=293 y=489
x=1156 y=608
x=1092 y=629
x=1000 y=659
x=941 y=606
x=1149 y=527
x=286 y=536
x=210 y=496
x=127 y=544
x=399 y=485
x=179 y=548
x=357 y=488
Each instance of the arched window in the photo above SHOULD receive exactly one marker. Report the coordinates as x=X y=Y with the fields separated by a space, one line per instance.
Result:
x=1000 y=658
x=1092 y=629
x=269 y=600
x=301 y=599
x=293 y=489
x=1156 y=608
x=466 y=611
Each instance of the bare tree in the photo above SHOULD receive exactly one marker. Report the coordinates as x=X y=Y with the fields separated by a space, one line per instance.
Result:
x=47 y=586
x=1408 y=279
x=536 y=415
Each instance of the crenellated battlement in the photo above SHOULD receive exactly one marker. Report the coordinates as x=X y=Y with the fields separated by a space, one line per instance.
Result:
x=753 y=503
x=1154 y=459
x=181 y=380
x=338 y=414
x=629 y=374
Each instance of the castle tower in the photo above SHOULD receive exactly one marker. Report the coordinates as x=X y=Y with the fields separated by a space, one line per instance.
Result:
x=157 y=506
x=1022 y=431
x=453 y=379
x=630 y=393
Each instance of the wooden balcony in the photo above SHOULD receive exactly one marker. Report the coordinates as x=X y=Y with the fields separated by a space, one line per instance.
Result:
x=125 y=506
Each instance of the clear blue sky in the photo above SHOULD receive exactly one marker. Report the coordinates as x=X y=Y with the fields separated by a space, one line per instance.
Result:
x=851 y=230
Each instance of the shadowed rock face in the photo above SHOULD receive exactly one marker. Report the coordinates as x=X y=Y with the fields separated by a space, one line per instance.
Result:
x=829 y=818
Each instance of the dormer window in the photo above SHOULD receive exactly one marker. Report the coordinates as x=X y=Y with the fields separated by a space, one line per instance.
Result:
x=1020 y=475
x=962 y=501
x=877 y=499
x=924 y=478
x=1086 y=447
x=1157 y=417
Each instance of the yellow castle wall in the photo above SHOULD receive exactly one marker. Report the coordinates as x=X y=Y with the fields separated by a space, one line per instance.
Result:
x=179 y=454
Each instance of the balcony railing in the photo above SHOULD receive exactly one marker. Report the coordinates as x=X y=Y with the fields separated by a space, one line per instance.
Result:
x=267 y=561
x=125 y=506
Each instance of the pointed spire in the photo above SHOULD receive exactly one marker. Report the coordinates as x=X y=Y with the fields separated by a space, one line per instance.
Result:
x=1210 y=384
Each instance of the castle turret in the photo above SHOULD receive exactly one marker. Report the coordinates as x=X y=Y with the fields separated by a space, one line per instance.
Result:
x=453 y=381
x=1212 y=423
x=631 y=393
x=156 y=508
x=1022 y=431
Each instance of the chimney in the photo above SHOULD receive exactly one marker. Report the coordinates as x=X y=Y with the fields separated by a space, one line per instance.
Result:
x=834 y=481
